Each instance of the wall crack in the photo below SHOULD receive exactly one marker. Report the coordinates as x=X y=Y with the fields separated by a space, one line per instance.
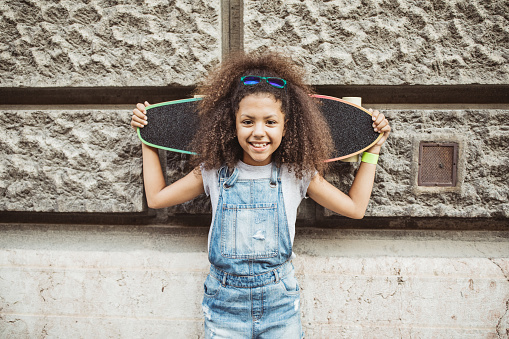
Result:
x=503 y=323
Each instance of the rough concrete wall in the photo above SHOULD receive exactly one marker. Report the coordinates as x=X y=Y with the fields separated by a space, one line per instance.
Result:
x=481 y=190
x=129 y=43
x=101 y=43
x=69 y=160
x=135 y=282
x=386 y=42
x=107 y=42
x=88 y=160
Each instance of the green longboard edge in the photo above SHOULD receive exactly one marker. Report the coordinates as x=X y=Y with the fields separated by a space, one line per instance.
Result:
x=181 y=101
x=162 y=147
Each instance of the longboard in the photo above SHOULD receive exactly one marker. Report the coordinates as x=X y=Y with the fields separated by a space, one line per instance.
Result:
x=173 y=124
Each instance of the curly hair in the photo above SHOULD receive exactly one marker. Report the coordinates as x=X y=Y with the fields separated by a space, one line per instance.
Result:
x=307 y=141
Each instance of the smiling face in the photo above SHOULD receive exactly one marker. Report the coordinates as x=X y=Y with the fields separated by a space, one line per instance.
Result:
x=260 y=128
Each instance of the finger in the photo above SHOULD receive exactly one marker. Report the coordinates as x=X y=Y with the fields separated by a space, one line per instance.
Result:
x=379 y=118
x=385 y=129
x=139 y=114
x=385 y=136
x=146 y=103
x=380 y=122
x=374 y=114
x=137 y=122
x=381 y=125
x=141 y=107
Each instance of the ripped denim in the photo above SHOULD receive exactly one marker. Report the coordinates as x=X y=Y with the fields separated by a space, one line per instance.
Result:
x=251 y=291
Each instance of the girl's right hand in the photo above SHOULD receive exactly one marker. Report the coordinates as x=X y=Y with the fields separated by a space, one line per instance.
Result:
x=139 y=118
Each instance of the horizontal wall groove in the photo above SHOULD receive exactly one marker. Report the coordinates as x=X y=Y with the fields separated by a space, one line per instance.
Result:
x=149 y=219
x=373 y=94
x=91 y=95
x=422 y=94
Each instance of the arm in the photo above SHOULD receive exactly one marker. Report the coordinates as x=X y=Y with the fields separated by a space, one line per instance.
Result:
x=158 y=194
x=355 y=203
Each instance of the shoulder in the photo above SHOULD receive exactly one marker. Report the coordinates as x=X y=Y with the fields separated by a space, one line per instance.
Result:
x=292 y=182
x=290 y=174
x=210 y=178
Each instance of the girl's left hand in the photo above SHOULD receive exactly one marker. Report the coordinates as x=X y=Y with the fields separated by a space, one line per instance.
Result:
x=380 y=124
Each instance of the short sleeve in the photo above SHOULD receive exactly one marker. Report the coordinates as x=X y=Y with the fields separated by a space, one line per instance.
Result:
x=306 y=180
x=208 y=176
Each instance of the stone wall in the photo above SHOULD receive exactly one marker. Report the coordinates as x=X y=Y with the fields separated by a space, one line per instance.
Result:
x=128 y=42
x=55 y=152
x=386 y=42
x=82 y=256
x=69 y=160
x=107 y=42
x=88 y=160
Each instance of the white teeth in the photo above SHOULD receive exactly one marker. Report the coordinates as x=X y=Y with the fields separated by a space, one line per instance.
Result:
x=259 y=145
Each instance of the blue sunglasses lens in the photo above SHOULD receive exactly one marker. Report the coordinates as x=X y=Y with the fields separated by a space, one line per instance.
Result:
x=251 y=80
x=276 y=82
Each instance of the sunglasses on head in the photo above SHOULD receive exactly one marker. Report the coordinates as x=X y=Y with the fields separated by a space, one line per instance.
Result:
x=250 y=80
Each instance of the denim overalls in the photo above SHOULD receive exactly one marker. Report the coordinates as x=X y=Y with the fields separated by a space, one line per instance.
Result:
x=251 y=291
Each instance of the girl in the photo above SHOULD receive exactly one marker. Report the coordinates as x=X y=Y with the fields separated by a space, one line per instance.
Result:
x=262 y=143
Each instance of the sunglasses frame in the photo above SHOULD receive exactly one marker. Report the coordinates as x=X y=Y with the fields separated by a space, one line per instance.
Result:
x=263 y=78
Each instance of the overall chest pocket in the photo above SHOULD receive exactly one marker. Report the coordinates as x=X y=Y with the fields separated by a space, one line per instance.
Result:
x=249 y=231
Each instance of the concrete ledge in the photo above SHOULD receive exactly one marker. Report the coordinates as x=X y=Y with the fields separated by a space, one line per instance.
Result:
x=135 y=282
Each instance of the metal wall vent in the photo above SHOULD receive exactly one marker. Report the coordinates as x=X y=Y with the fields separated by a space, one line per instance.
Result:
x=437 y=164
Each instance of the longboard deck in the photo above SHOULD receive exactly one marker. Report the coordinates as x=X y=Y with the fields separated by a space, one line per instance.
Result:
x=173 y=124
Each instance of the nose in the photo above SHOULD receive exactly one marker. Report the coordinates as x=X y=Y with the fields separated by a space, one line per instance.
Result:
x=259 y=130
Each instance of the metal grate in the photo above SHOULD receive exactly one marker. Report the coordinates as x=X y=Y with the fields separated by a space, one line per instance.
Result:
x=437 y=164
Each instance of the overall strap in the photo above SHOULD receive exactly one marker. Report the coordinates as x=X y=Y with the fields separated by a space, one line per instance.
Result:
x=232 y=179
x=222 y=173
x=275 y=175
x=222 y=176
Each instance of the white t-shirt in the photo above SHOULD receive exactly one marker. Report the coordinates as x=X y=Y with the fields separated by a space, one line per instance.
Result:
x=294 y=190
